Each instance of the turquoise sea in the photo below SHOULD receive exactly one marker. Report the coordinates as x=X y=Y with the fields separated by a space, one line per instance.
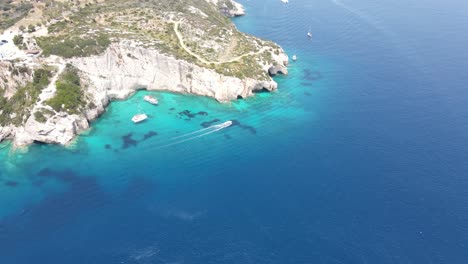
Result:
x=361 y=156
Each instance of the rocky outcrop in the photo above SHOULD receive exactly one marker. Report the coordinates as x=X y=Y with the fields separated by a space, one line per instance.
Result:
x=124 y=68
x=237 y=10
x=60 y=129
x=5 y=132
x=12 y=76
x=229 y=8
x=277 y=69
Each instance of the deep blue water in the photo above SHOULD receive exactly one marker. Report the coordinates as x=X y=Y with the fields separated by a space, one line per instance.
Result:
x=360 y=157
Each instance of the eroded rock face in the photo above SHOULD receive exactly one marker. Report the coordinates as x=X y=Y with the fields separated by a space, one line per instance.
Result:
x=13 y=76
x=277 y=69
x=5 y=132
x=124 y=68
x=116 y=74
x=60 y=129
x=236 y=10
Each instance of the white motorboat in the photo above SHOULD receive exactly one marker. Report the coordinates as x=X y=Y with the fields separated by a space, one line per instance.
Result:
x=139 y=118
x=285 y=1
x=294 y=57
x=150 y=99
x=223 y=125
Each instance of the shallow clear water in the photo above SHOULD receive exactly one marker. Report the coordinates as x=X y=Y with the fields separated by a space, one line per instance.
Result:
x=360 y=157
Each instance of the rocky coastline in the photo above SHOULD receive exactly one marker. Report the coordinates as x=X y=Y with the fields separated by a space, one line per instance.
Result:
x=122 y=69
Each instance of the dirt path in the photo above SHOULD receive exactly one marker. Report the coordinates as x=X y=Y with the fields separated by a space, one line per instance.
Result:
x=229 y=50
x=202 y=60
x=49 y=91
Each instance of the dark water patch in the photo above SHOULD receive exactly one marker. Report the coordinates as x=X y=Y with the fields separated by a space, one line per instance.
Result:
x=139 y=187
x=171 y=109
x=149 y=135
x=38 y=183
x=312 y=75
x=189 y=115
x=108 y=146
x=128 y=141
x=11 y=183
x=307 y=94
x=38 y=226
x=308 y=84
x=63 y=175
x=251 y=129
x=209 y=123
x=226 y=136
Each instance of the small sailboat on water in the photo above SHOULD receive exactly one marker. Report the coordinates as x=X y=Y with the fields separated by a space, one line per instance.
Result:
x=309 y=33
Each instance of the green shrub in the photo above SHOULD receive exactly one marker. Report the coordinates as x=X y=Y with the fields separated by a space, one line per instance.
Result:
x=74 y=46
x=69 y=96
x=41 y=78
x=12 y=14
x=23 y=99
x=39 y=116
x=31 y=28
x=18 y=40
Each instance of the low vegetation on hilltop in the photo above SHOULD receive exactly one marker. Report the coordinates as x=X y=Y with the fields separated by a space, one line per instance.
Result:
x=12 y=11
x=69 y=96
x=15 y=109
x=78 y=30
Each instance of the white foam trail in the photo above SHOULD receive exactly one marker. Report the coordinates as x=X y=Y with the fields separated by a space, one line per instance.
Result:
x=194 y=132
x=214 y=128
x=190 y=138
x=222 y=125
x=360 y=15
x=390 y=35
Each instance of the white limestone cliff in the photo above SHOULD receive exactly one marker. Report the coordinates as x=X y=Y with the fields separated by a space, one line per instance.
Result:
x=121 y=70
x=116 y=74
x=124 y=68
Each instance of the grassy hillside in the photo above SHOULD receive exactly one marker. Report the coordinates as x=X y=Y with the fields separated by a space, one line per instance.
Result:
x=87 y=29
x=12 y=11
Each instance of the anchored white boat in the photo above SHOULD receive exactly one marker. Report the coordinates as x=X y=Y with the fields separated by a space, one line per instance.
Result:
x=150 y=99
x=294 y=57
x=139 y=117
x=285 y=1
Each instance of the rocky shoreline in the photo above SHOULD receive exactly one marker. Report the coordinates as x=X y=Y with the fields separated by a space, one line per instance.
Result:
x=126 y=67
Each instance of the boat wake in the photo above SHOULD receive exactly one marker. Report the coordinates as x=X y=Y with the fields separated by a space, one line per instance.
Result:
x=361 y=16
x=196 y=134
